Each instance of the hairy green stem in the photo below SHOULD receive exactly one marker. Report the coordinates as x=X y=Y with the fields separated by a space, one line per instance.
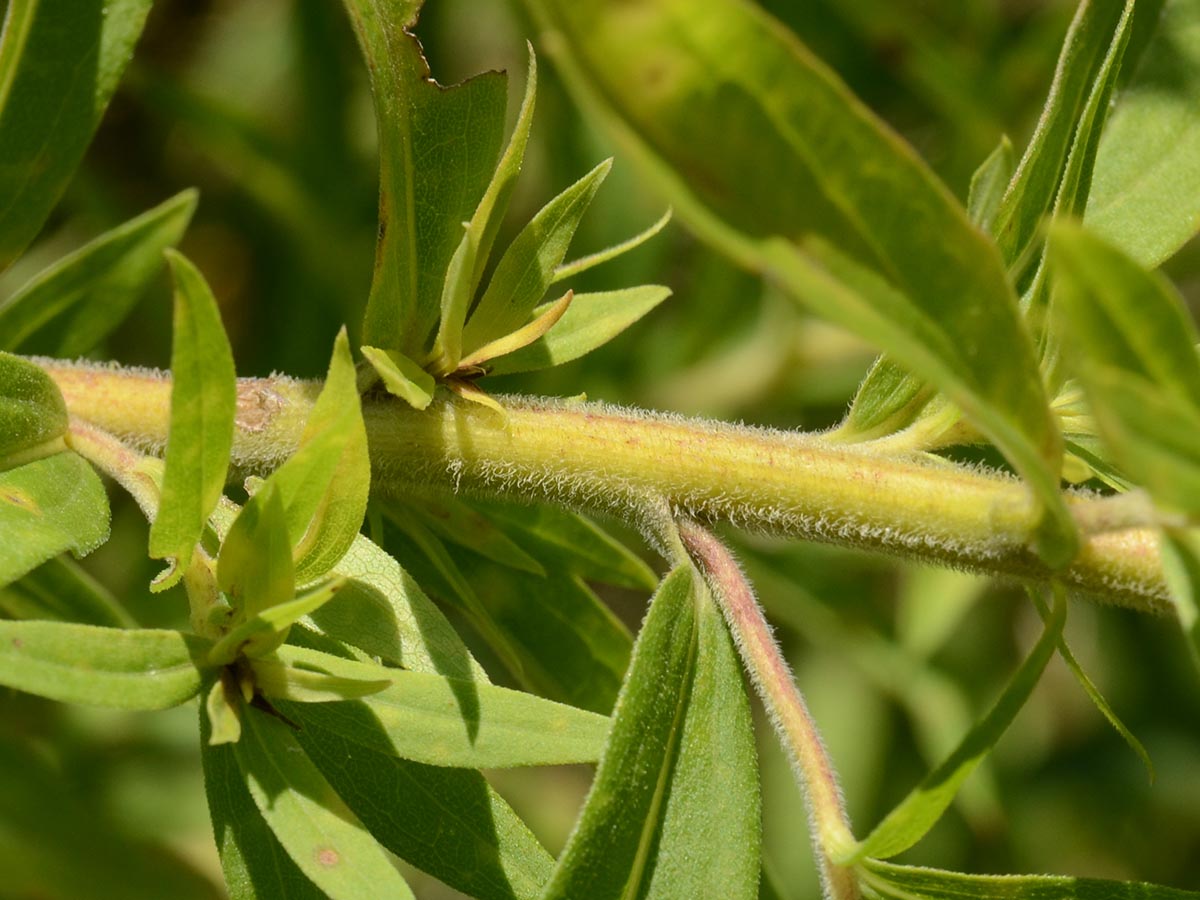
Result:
x=831 y=834
x=610 y=459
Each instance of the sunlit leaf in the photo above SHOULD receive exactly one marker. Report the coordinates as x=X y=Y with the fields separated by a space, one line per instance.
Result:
x=401 y=376
x=423 y=717
x=49 y=108
x=203 y=403
x=889 y=882
x=222 y=707
x=674 y=806
x=916 y=814
x=323 y=837
x=265 y=630
x=46 y=508
x=33 y=416
x=84 y=295
x=279 y=680
x=124 y=668
x=254 y=567
x=1145 y=194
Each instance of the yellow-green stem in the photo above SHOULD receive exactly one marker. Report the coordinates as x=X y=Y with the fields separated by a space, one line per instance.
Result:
x=616 y=460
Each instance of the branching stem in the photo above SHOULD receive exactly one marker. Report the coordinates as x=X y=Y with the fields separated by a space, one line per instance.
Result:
x=605 y=458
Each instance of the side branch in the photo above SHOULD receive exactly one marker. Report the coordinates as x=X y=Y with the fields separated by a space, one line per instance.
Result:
x=609 y=459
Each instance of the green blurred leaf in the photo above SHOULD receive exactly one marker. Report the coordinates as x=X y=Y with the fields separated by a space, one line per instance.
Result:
x=401 y=376
x=255 y=567
x=1180 y=549
x=891 y=882
x=988 y=184
x=526 y=270
x=203 y=403
x=1074 y=110
x=33 y=416
x=591 y=321
x=87 y=293
x=916 y=814
x=466 y=266
x=1135 y=351
x=438 y=150
x=61 y=590
x=435 y=818
x=48 y=507
x=455 y=521
x=825 y=200
x=255 y=865
x=59 y=65
x=323 y=837
x=1145 y=194
x=420 y=716
x=674 y=806
x=123 y=668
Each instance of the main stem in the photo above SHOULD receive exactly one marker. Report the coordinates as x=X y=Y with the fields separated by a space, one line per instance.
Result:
x=618 y=460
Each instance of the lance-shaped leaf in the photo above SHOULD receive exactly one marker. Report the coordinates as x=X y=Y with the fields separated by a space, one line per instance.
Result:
x=1145 y=195
x=989 y=183
x=578 y=266
x=124 y=668
x=279 y=680
x=48 y=507
x=466 y=266
x=33 y=416
x=401 y=376
x=61 y=590
x=591 y=321
x=48 y=110
x=418 y=716
x=267 y=629
x=1135 y=351
x=324 y=485
x=254 y=567
x=255 y=865
x=1034 y=188
x=434 y=818
x=1181 y=567
x=437 y=152
x=526 y=269
x=674 y=806
x=454 y=521
x=825 y=200
x=917 y=813
x=203 y=403
x=84 y=295
x=891 y=882
x=323 y=837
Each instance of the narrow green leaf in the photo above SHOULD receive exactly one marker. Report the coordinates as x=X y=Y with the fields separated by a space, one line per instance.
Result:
x=124 y=668
x=322 y=836
x=420 y=716
x=325 y=484
x=46 y=508
x=60 y=590
x=33 y=415
x=674 y=806
x=466 y=266
x=581 y=265
x=888 y=400
x=1135 y=350
x=222 y=707
x=825 y=200
x=281 y=681
x=591 y=321
x=48 y=110
x=989 y=182
x=453 y=520
x=437 y=153
x=1145 y=195
x=435 y=818
x=533 y=330
x=526 y=269
x=84 y=295
x=917 y=813
x=1037 y=182
x=203 y=404
x=891 y=882
x=401 y=376
x=254 y=567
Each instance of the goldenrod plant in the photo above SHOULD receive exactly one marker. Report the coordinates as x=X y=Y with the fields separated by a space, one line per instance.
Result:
x=399 y=597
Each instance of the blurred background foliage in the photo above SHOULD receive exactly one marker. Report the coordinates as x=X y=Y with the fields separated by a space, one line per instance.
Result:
x=263 y=105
